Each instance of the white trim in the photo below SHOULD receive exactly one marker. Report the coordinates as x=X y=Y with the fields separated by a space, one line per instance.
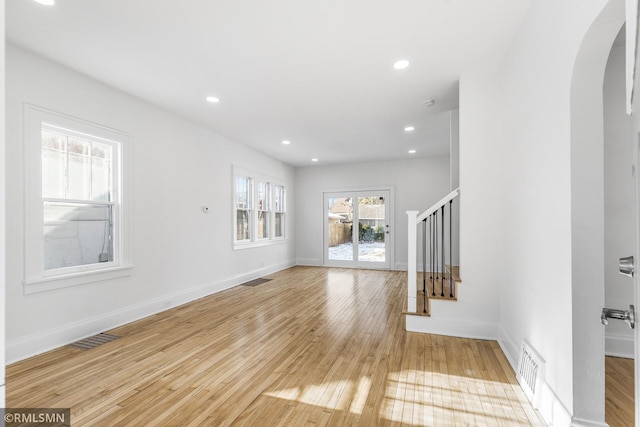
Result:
x=259 y=243
x=309 y=262
x=446 y=199
x=509 y=346
x=618 y=345
x=255 y=179
x=579 y=422
x=631 y=40
x=452 y=327
x=36 y=278
x=550 y=407
x=34 y=344
x=412 y=238
x=79 y=278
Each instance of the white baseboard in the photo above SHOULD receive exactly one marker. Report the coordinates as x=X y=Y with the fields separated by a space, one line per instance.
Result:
x=578 y=422
x=309 y=262
x=550 y=407
x=619 y=346
x=24 y=347
x=452 y=327
x=509 y=347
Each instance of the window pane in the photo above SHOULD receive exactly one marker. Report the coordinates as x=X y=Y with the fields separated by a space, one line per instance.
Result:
x=243 y=192
x=340 y=228
x=371 y=229
x=101 y=155
x=263 y=225
x=242 y=224
x=78 y=169
x=278 y=198
x=279 y=224
x=53 y=165
x=263 y=196
x=77 y=235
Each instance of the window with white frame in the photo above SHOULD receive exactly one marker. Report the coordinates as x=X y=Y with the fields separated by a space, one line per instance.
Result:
x=243 y=196
x=264 y=210
x=259 y=209
x=74 y=223
x=279 y=211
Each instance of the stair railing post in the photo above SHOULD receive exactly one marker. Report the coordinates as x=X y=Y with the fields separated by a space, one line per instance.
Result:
x=442 y=274
x=435 y=239
x=412 y=233
x=433 y=256
x=451 y=293
x=430 y=248
x=424 y=255
x=424 y=265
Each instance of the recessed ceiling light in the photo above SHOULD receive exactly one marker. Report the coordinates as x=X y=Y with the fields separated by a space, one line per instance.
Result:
x=409 y=129
x=46 y=2
x=212 y=99
x=412 y=151
x=401 y=64
x=314 y=160
x=285 y=142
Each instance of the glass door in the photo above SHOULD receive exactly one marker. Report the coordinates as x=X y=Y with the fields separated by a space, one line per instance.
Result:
x=357 y=229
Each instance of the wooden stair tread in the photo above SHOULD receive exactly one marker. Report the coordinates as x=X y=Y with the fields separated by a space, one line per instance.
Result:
x=438 y=284
x=455 y=270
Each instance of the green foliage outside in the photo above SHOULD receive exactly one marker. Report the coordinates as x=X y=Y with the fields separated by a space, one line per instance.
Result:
x=366 y=233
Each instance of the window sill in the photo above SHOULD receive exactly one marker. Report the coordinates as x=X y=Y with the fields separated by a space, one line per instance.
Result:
x=259 y=244
x=43 y=284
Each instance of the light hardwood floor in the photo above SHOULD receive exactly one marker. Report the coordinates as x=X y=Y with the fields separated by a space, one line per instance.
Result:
x=619 y=393
x=313 y=346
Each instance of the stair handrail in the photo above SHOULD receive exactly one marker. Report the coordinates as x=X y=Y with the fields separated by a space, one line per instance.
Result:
x=438 y=205
x=413 y=220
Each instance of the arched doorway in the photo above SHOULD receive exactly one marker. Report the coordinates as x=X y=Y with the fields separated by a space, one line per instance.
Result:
x=587 y=207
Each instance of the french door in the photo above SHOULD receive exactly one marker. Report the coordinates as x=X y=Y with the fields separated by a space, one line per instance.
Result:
x=357 y=229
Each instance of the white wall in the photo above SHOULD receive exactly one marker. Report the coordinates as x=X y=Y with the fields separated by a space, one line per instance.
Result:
x=417 y=184
x=587 y=211
x=179 y=253
x=2 y=209
x=454 y=155
x=528 y=180
x=635 y=142
x=619 y=224
x=475 y=314
x=454 y=148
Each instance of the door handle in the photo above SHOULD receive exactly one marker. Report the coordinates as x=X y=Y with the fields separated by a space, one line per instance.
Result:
x=625 y=266
x=628 y=316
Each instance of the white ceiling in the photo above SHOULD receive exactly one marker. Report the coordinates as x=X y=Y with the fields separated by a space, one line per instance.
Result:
x=317 y=73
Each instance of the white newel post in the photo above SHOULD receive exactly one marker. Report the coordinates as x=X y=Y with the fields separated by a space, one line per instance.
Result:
x=412 y=278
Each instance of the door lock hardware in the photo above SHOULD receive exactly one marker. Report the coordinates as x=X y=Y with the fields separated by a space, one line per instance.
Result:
x=625 y=266
x=628 y=316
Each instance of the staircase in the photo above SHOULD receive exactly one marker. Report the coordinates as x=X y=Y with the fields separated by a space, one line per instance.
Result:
x=442 y=289
x=438 y=279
